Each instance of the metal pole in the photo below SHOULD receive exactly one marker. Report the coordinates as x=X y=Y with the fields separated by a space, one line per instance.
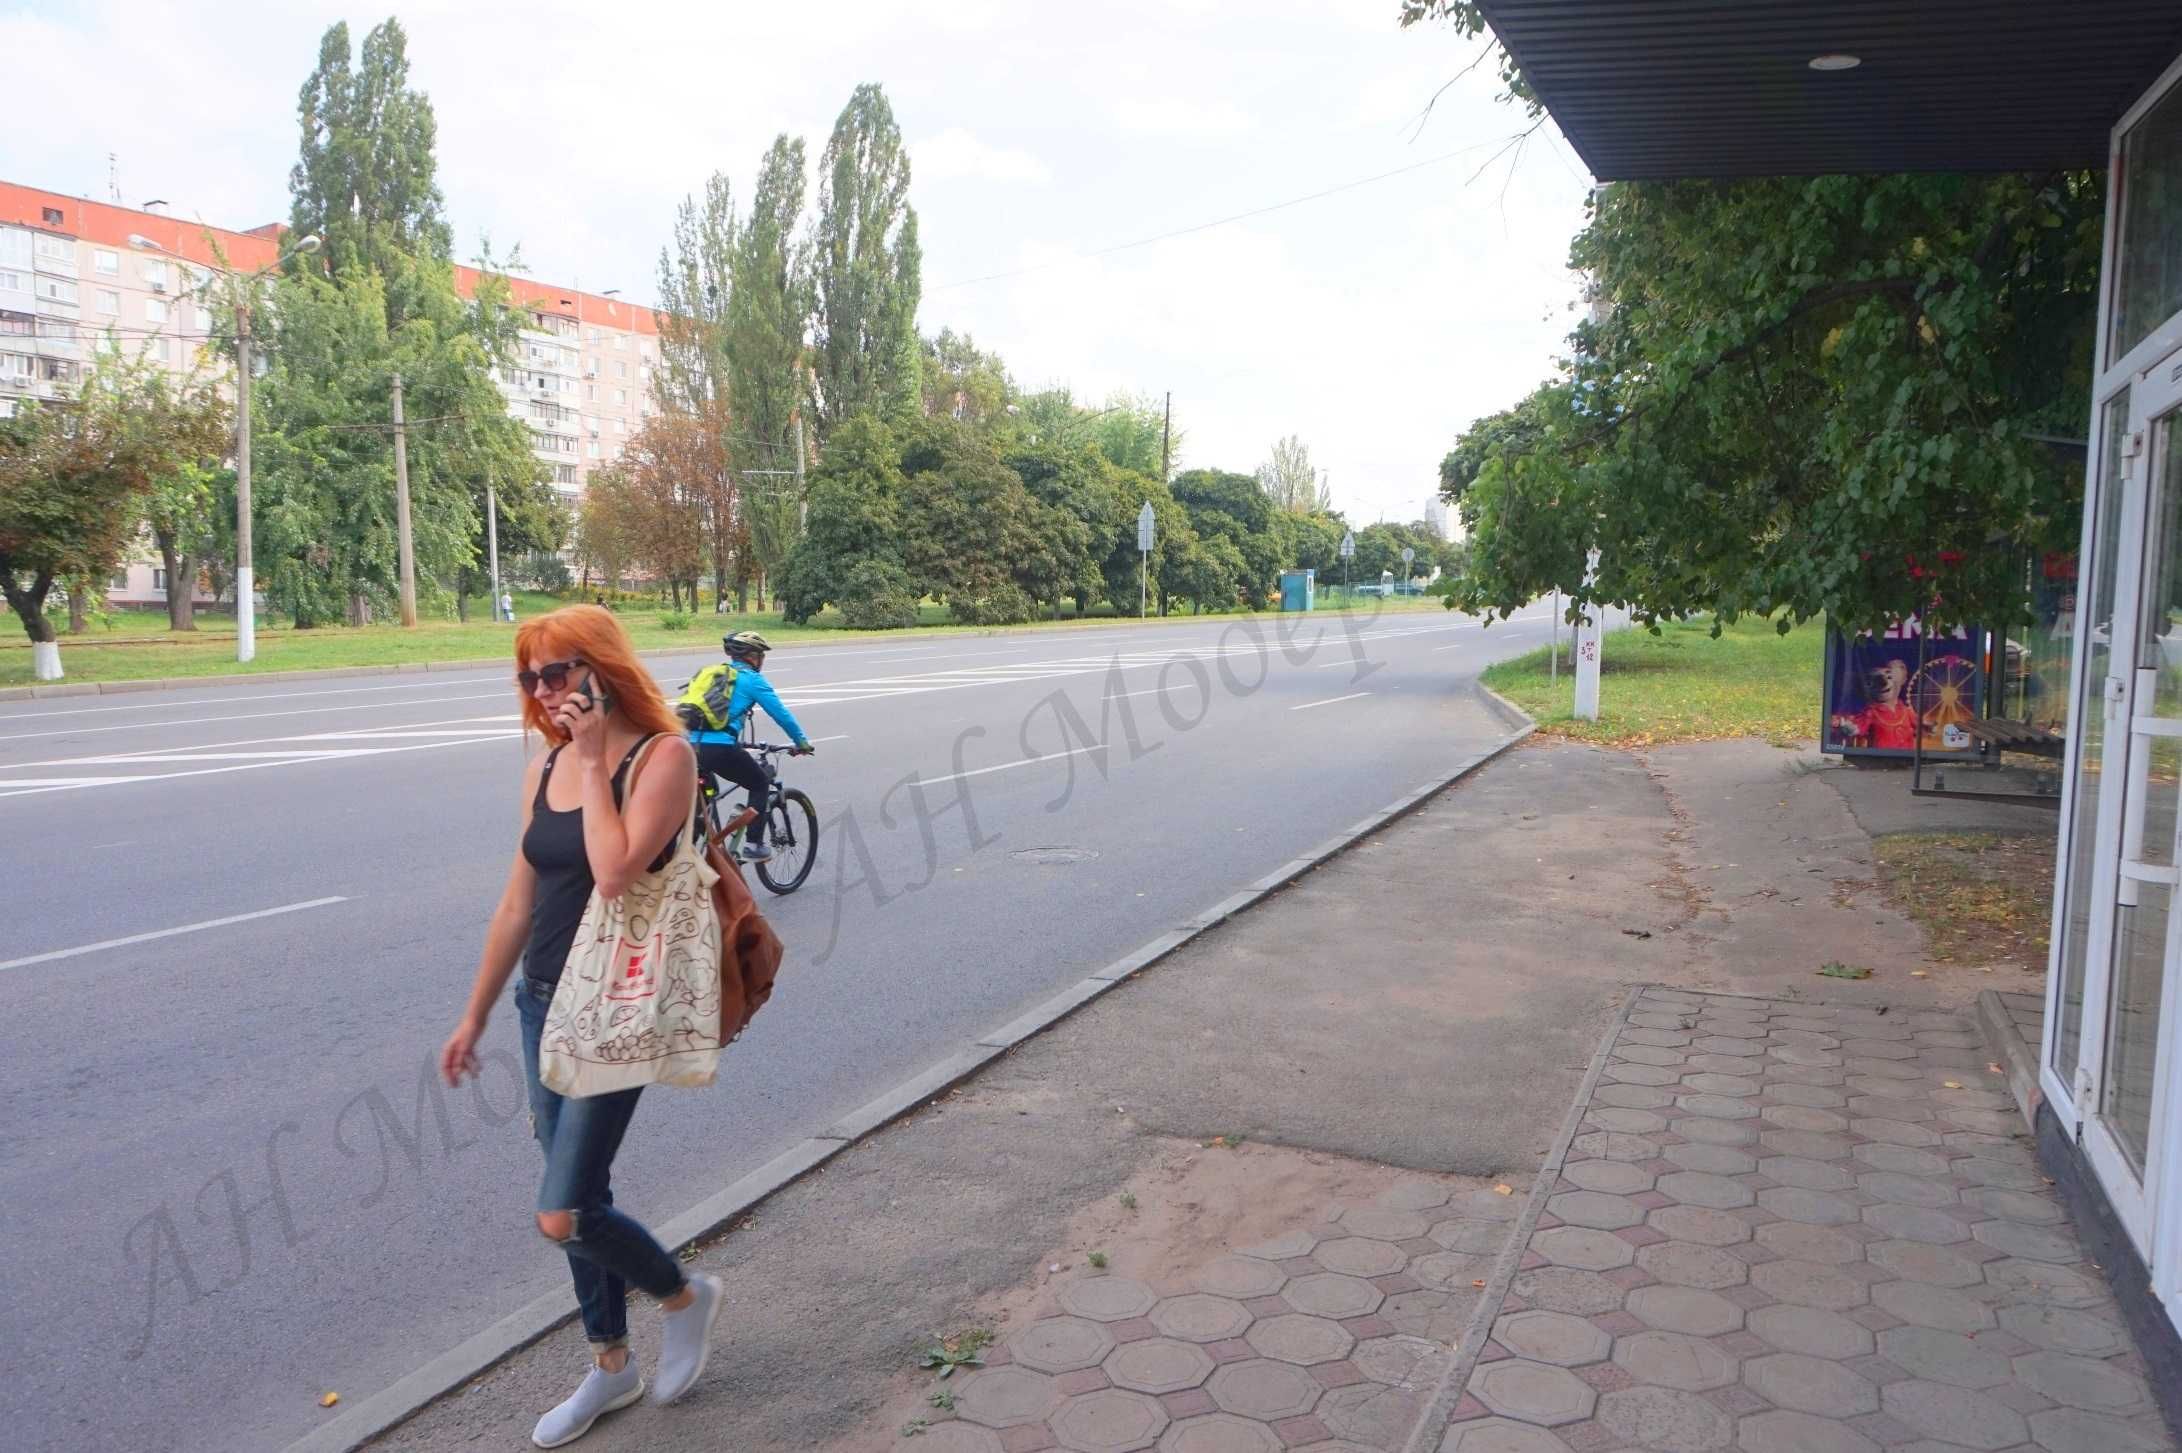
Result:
x=803 y=503
x=492 y=544
x=407 y=553
x=1553 y=652
x=246 y=614
x=1166 y=435
x=1143 y=583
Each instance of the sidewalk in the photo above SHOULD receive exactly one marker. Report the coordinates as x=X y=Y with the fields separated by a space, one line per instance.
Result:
x=1400 y=1145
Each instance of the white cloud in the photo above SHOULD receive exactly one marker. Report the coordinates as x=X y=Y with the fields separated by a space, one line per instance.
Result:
x=955 y=154
x=1180 y=116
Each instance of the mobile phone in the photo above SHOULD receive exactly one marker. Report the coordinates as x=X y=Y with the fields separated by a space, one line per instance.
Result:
x=596 y=694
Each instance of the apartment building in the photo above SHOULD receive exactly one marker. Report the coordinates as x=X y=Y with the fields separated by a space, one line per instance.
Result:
x=78 y=275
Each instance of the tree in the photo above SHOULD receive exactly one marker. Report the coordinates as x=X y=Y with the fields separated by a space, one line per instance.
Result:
x=1232 y=507
x=1083 y=491
x=695 y=292
x=607 y=526
x=676 y=480
x=1290 y=480
x=1132 y=432
x=73 y=478
x=866 y=268
x=962 y=381
x=1172 y=539
x=180 y=503
x=974 y=536
x=851 y=552
x=366 y=179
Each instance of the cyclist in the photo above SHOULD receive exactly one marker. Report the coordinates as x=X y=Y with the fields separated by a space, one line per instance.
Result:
x=713 y=707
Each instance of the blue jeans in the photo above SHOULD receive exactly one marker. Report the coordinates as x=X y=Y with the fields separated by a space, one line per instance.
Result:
x=608 y=1251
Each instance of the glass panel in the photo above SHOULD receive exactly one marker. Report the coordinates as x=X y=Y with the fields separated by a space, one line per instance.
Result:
x=2148 y=290
x=2096 y=602
x=2140 y=948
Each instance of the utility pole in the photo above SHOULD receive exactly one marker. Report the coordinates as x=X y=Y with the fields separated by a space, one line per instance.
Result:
x=1166 y=437
x=492 y=544
x=246 y=610
x=401 y=512
x=803 y=501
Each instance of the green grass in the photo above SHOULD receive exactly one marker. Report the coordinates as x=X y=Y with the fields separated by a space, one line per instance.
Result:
x=137 y=646
x=1681 y=685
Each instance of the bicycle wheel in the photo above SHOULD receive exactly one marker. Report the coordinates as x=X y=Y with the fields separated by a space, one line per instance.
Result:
x=793 y=834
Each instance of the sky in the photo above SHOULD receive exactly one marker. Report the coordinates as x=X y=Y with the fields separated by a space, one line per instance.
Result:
x=1375 y=324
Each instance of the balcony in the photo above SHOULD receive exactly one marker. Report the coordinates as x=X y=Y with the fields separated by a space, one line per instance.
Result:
x=48 y=347
x=55 y=308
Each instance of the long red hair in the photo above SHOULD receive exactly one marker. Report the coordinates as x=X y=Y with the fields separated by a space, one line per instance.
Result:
x=592 y=634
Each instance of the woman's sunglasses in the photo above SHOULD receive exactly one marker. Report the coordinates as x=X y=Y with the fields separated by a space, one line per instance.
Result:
x=554 y=674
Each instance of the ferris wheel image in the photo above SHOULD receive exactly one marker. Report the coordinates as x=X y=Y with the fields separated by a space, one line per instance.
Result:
x=1944 y=695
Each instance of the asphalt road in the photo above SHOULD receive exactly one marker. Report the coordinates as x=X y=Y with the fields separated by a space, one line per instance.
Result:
x=230 y=1184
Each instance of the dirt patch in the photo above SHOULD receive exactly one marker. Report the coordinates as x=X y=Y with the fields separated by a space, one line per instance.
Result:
x=1984 y=899
x=1188 y=1204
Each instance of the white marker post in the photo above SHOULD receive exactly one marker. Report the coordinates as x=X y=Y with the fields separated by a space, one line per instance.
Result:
x=1587 y=646
x=1146 y=528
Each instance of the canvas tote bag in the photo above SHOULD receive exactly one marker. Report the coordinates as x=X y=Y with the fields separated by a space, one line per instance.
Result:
x=639 y=1000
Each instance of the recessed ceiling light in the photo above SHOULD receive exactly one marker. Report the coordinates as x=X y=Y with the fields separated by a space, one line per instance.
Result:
x=1835 y=61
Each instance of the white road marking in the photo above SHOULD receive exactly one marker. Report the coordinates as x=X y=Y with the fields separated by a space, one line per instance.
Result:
x=1011 y=766
x=1329 y=701
x=138 y=726
x=92 y=948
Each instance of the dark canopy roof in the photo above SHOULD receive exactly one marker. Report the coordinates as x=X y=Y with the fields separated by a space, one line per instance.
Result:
x=1724 y=88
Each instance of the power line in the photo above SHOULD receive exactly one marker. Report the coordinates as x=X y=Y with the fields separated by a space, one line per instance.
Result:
x=1218 y=221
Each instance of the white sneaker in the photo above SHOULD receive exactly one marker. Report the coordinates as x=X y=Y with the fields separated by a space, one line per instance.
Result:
x=602 y=1392
x=685 y=1340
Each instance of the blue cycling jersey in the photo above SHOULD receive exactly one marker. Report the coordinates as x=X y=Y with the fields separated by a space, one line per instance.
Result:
x=752 y=689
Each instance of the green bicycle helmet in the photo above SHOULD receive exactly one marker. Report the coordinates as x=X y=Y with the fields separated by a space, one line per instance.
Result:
x=745 y=643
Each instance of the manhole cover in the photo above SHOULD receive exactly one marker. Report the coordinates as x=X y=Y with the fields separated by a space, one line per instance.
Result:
x=1055 y=855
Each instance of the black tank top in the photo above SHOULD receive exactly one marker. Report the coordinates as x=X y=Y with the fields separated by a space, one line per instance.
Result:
x=554 y=845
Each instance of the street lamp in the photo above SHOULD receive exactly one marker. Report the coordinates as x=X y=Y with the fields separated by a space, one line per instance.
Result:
x=246 y=614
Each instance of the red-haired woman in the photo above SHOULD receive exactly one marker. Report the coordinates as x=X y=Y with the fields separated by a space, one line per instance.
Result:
x=584 y=828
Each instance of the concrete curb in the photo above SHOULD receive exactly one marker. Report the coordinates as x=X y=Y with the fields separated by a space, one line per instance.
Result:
x=404 y=668
x=1432 y=1424
x=395 y=1404
x=2005 y=1043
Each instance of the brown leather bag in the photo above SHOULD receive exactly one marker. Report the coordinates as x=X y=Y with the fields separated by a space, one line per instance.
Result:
x=750 y=952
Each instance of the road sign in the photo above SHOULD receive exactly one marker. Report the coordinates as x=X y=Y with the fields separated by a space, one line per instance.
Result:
x=1348 y=545
x=1144 y=528
x=1408 y=554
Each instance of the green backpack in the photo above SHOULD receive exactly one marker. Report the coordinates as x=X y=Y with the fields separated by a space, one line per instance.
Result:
x=703 y=703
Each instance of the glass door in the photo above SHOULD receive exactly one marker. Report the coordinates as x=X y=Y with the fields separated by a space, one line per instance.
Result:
x=2125 y=1012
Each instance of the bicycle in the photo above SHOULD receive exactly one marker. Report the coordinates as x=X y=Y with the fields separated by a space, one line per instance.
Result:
x=793 y=831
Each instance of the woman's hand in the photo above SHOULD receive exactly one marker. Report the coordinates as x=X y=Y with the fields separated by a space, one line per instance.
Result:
x=458 y=1057
x=585 y=724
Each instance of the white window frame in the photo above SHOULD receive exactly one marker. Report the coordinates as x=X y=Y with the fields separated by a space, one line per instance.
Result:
x=106 y=262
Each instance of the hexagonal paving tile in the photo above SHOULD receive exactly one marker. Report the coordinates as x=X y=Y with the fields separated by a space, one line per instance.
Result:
x=1909 y=1190
x=1005 y=1397
x=1953 y=1414
x=1280 y=1248
x=1240 y=1277
x=2079 y=1382
x=1719 y=1160
x=1812 y=1331
x=1788 y=1432
x=1159 y=1365
x=2007 y=1205
x=1810 y=1175
x=1516 y=1387
x=1554 y=1337
x=1664 y=1417
x=1941 y=1308
x=1626 y=1122
x=1805 y=1144
x=2061 y=1330
x=1413 y=1196
x=1579 y=1246
x=1219 y=1433
x=1699 y=1188
x=1685 y=1263
x=1810 y=1243
x=1631 y=1097
x=1330 y=1294
x=1939 y=1356
x=1918 y=1223
x=1199 y=1317
x=2072 y=1430
x=1061 y=1344
x=1499 y=1435
x=1813 y=1208
x=1809 y=1284
x=1383 y=1225
x=1817 y=1097
x=1684 y=1309
x=1262 y=1389
x=1712 y=1082
x=1701 y=1224
x=2062 y=1286
x=1915 y=1261
x=1468 y=1234
x=1567 y=1289
x=1109 y=1420
x=1451 y=1270
x=1810 y=1385
x=1617 y=1177
x=1401 y=1360
x=1595 y=1209
x=2036 y=1243
x=1716 y=1132
x=1896 y=1132
x=1360 y=1256
x=1673 y=1359
x=1300 y=1339
x=1107 y=1298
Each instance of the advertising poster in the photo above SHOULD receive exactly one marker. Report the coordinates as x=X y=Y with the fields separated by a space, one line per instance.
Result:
x=1879 y=700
